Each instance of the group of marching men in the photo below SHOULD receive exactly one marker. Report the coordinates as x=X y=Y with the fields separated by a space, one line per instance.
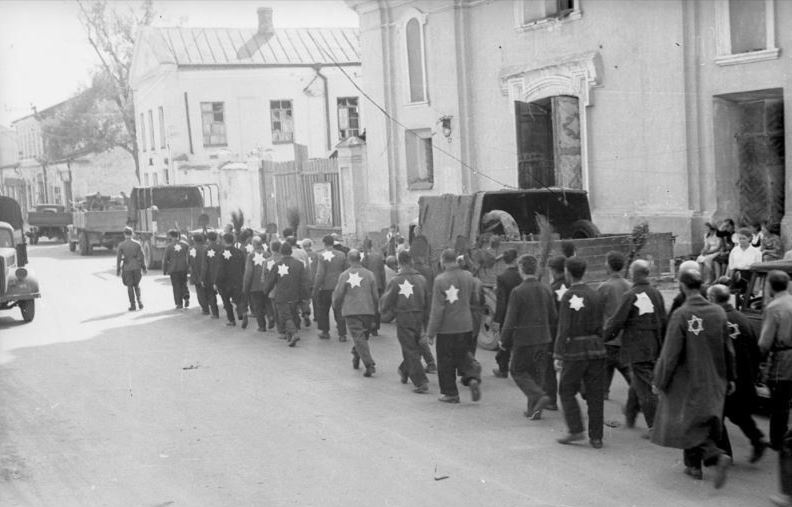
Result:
x=680 y=367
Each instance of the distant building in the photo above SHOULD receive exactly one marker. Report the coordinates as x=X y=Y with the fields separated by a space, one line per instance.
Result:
x=670 y=111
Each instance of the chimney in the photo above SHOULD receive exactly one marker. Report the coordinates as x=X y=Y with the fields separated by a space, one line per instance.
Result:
x=265 y=21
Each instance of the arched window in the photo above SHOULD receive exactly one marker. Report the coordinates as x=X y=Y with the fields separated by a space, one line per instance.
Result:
x=415 y=60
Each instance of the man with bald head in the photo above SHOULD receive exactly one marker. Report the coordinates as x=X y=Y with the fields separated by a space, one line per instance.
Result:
x=679 y=299
x=641 y=318
x=740 y=404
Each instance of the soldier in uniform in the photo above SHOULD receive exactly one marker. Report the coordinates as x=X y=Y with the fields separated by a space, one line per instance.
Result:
x=693 y=375
x=641 y=318
x=504 y=283
x=129 y=265
x=175 y=264
x=289 y=281
x=197 y=259
x=408 y=298
x=209 y=273
x=332 y=263
x=252 y=284
x=356 y=294
x=451 y=321
x=228 y=281
x=580 y=355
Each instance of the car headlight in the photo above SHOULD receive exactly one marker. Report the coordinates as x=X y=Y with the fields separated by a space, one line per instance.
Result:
x=21 y=273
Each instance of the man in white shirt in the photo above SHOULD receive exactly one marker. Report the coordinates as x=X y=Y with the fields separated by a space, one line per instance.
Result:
x=742 y=256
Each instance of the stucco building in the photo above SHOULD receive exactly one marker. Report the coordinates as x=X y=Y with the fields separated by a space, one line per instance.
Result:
x=670 y=111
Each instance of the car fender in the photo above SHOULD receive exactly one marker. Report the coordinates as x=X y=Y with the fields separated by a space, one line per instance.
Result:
x=27 y=288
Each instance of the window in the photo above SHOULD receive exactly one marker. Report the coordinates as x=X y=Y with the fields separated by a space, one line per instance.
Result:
x=152 y=145
x=162 y=127
x=745 y=31
x=282 y=121
x=57 y=196
x=348 y=118
x=146 y=179
x=420 y=159
x=154 y=179
x=415 y=60
x=142 y=125
x=213 y=119
x=537 y=12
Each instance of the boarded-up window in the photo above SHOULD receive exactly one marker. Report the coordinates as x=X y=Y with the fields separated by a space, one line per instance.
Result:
x=535 y=10
x=420 y=158
x=747 y=19
x=415 y=60
x=348 y=117
x=282 y=121
x=213 y=121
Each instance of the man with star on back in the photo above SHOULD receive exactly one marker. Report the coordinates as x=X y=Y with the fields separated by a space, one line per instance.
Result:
x=356 y=295
x=451 y=321
x=288 y=279
x=558 y=286
x=252 y=284
x=332 y=262
x=407 y=296
x=228 y=281
x=197 y=258
x=175 y=263
x=209 y=272
x=641 y=317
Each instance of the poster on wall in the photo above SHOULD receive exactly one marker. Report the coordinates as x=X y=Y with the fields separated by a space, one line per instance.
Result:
x=323 y=203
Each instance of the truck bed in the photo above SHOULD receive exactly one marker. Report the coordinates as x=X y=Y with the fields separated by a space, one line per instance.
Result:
x=47 y=219
x=100 y=221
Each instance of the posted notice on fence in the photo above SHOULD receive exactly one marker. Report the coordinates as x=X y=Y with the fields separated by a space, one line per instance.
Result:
x=323 y=203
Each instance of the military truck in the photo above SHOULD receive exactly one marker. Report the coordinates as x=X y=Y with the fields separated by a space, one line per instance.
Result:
x=154 y=210
x=99 y=225
x=467 y=222
x=49 y=220
x=18 y=284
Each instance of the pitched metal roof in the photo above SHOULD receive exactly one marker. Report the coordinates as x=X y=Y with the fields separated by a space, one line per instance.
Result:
x=240 y=46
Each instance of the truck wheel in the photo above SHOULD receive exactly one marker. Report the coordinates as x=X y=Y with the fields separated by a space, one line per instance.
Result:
x=28 y=308
x=583 y=229
x=85 y=245
x=487 y=337
x=72 y=246
x=34 y=239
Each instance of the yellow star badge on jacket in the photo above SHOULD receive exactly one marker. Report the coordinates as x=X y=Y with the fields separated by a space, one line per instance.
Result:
x=258 y=258
x=283 y=270
x=354 y=280
x=643 y=303
x=561 y=291
x=695 y=325
x=226 y=254
x=210 y=254
x=270 y=263
x=734 y=330
x=406 y=289
x=327 y=255
x=452 y=294
x=193 y=252
x=249 y=248
x=177 y=248
x=576 y=303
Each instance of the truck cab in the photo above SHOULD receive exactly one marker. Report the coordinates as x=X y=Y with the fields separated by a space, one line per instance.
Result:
x=18 y=284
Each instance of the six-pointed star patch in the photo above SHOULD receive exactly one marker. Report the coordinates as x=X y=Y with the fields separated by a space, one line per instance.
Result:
x=354 y=280
x=734 y=330
x=561 y=291
x=643 y=303
x=248 y=248
x=406 y=289
x=452 y=294
x=227 y=254
x=327 y=255
x=576 y=302
x=193 y=252
x=695 y=325
x=283 y=270
x=210 y=254
x=177 y=248
x=270 y=263
x=258 y=258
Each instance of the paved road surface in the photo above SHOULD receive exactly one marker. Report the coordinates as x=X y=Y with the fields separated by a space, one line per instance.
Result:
x=100 y=406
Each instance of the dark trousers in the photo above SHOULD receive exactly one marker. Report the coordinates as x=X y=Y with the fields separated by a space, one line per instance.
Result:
x=210 y=296
x=131 y=279
x=550 y=385
x=642 y=374
x=258 y=307
x=780 y=396
x=614 y=363
x=408 y=330
x=426 y=353
x=325 y=300
x=591 y=373
x=232 y=297
x=527 y=369
x=785 y=465
x=288 y=315
x=203 y=301
x=503 y=358
x=707 y=452
x=181 y=294
x=453 y=356
x=738 y=411
x=359 y=327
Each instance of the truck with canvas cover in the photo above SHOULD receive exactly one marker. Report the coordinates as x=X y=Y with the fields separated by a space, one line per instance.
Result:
x=49 y=220
x=155 y=210
x=483 y=225
x=101 y=222
x=18 y=284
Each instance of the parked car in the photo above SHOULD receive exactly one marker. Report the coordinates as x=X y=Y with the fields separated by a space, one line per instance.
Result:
x=18 y=284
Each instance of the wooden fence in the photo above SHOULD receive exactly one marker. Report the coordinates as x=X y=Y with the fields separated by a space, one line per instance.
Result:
x=310 y=186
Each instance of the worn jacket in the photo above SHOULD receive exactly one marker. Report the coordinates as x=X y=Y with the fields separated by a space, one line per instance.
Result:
x=230 y=268
x=211 y=262
x=288 y=281
x=130 y=256
x=611 y=292
x=332 y=263
x=406 y=292
x=254 y=267
x=197 y=258
x=428 y=274
x=175 y=260
x=531 y=317
x=746 y=355
x=776 y=336
x=453 y=293
x=504 y=283
x=641 y=318
x=375 y=262
x=692 y=373
x=579 y=335
x=356 y=292
x=559 y=288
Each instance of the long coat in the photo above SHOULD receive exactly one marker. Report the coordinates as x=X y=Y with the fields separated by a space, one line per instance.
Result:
x=694 y=368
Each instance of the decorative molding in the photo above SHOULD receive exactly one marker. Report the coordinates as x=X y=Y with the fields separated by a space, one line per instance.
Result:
x=753 y=56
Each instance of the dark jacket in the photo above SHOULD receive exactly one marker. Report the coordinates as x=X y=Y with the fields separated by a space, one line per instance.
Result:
x=692 y=374
x=375 y=262
x=197 y=259
x=212 y=261
x=611 y=292
x=579 y=335
x=428 y=274
x=559 y=288
x=453 y=293
x=506 y=281
x=407 y=292
x=289 y=279
x=746 y=356
x=254 y=266
x=175 y=260
x=641 y=317
x=531 y=317
x=332 y=263
x=130 y=256
x=230 y=268
x=356 y=292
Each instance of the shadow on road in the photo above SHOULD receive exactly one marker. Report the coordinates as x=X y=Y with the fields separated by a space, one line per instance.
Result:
x=8 y=322
x=104 y=317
